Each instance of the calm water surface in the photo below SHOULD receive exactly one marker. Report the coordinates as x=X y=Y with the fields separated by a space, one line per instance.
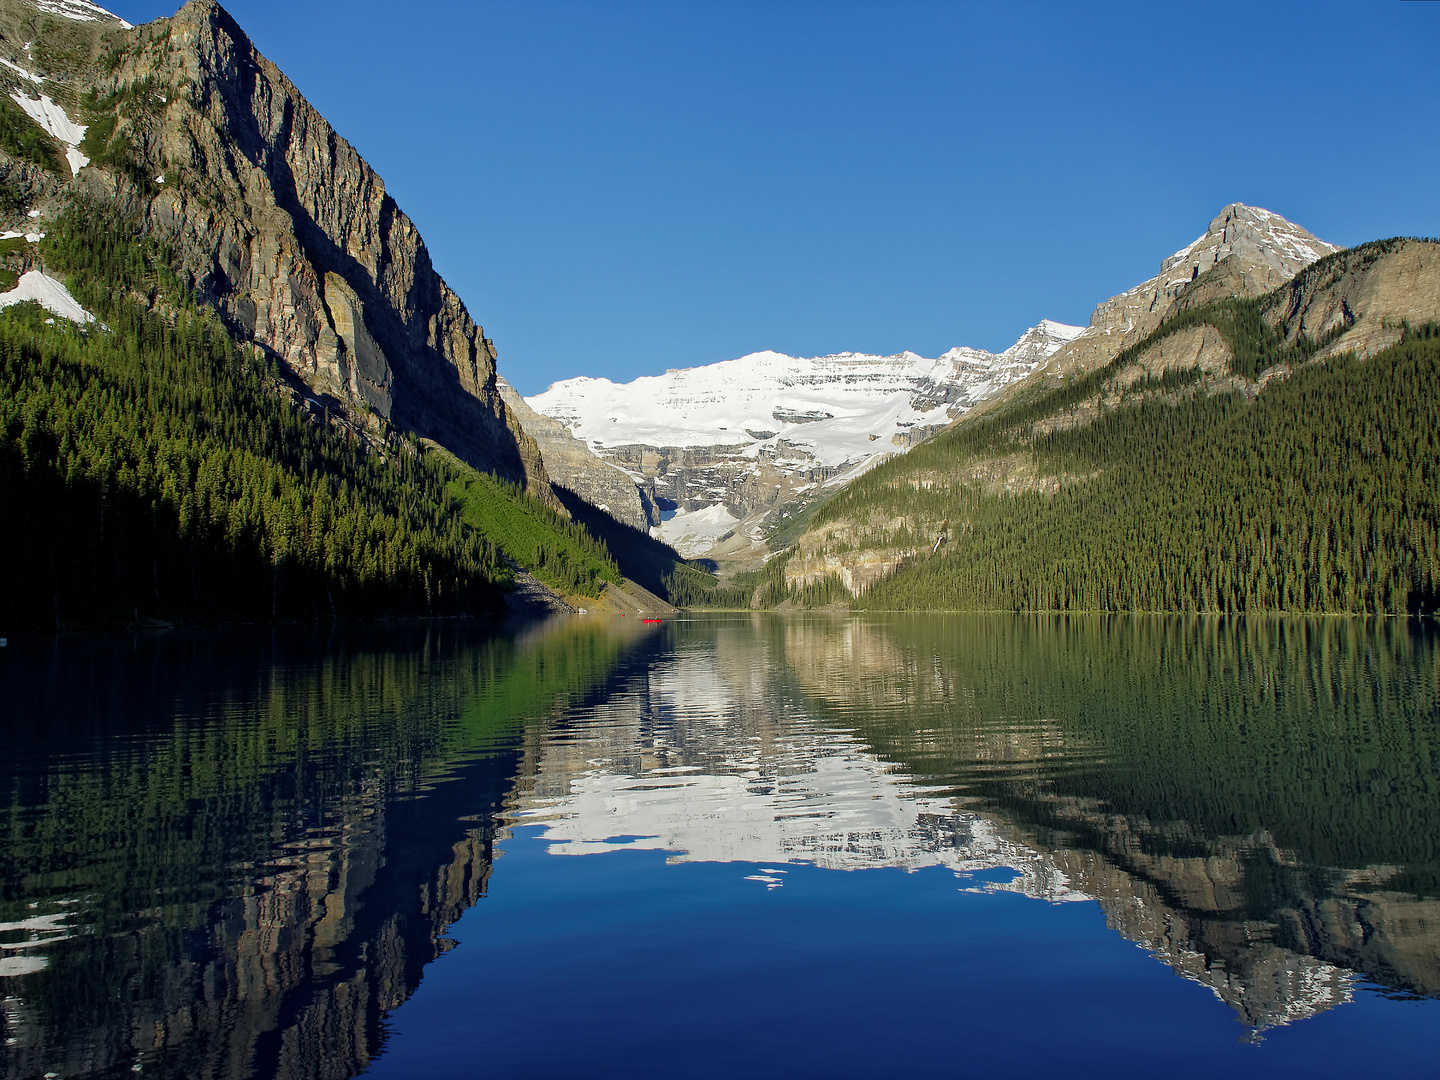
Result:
x=831 y=847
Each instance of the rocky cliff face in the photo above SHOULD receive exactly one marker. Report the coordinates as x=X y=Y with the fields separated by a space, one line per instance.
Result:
x=569 y=463
x=274 y=218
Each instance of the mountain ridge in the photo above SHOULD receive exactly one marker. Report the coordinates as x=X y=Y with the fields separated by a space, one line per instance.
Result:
x=1225 y=461
x=274 y=218
x=718 y=448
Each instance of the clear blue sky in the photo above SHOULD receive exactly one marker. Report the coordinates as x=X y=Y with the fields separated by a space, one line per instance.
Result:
x=615 y=188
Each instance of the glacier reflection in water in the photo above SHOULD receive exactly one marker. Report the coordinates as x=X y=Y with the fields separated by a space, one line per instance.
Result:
x=1055 y=760
x=773 y=846
x=702 y=766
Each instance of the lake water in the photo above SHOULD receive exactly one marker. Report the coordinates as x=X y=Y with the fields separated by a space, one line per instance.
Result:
x=764 y=846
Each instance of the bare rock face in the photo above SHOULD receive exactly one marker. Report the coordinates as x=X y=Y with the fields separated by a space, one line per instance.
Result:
x=1246 y=251
x=278 y=222
x=1365 y=294
x=569 y=463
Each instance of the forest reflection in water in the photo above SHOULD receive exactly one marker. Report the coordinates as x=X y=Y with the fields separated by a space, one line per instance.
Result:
x=236 y=852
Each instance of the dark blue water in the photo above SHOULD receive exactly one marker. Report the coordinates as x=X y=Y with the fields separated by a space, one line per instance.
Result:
x=621 y=965
x=971 y=846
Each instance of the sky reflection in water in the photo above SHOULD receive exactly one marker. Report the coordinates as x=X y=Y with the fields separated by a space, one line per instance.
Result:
x=830 y=847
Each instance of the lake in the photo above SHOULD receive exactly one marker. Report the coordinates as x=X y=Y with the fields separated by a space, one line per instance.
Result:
x=986 y=846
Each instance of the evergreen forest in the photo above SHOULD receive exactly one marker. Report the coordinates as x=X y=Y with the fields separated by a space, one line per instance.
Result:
x=1319 y=493
x=153 y=469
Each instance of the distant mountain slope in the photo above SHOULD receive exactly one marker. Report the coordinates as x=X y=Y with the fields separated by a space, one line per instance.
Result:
x=720 y=447
x=1249 y=454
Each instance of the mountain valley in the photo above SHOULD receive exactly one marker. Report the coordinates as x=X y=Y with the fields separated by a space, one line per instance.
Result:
x=726 y=453
x=332 y=436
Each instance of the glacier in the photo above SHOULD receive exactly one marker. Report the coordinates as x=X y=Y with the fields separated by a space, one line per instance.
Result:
x=717 y=448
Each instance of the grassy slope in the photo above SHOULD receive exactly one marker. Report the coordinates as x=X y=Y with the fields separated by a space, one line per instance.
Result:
x=561 y=553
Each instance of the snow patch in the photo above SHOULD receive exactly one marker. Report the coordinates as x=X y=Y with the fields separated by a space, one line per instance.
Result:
x=1063 y=331
x=20 y=70
x=52 y=118
x=49 y=294
x=80 y=11
x=696 y=532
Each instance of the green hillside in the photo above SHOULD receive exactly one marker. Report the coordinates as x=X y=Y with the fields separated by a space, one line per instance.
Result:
x=560 y=553
x=1319 y=494
x=152 y=468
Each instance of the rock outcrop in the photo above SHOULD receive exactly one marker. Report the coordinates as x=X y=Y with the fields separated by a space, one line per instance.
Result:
x=1365 y=295
x=274 y=219
x=1245 y=251
x=569 y=463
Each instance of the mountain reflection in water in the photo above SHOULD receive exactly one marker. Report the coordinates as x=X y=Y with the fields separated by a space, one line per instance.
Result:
x=235 y=852
x=251 y=844
x=852 y=743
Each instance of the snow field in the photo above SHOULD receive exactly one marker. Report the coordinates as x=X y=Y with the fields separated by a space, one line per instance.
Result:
x=49 y=294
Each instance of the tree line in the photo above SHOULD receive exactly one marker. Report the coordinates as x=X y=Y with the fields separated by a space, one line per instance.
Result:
x=1320 y=495
x=151 y=467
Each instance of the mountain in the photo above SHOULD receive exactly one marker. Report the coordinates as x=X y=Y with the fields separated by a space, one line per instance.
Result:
x=1247 y=454
x=725 y=452
x=253 y=396
x=719 y=449
x=273 y=218
x=1245 y=251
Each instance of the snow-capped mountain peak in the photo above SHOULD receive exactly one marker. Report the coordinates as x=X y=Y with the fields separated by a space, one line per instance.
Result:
x=719 y=446
x=834 y=406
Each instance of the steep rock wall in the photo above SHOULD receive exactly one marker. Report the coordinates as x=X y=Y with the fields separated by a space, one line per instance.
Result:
x=280 y=223
x=570 y=463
